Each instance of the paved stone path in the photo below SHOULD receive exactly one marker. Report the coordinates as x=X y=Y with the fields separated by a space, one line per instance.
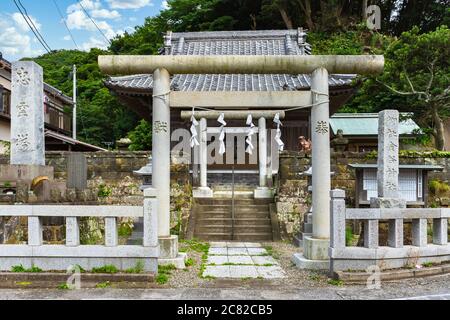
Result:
x=241 y=260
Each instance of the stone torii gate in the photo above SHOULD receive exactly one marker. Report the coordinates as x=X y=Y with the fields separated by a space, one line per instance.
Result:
x=316 y=247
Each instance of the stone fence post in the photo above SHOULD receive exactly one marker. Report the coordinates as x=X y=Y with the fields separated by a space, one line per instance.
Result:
x=150 y=217
x=337 y=215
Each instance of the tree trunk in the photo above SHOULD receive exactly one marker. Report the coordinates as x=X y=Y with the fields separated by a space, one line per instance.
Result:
x=287 y=20
x=305 y=5
x=364 y=7
x=439 y=129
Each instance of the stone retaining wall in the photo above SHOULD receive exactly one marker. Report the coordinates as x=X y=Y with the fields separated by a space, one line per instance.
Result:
x=293 y=198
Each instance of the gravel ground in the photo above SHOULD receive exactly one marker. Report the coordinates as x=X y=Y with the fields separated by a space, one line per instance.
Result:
x=281 y=251
x=298 y=285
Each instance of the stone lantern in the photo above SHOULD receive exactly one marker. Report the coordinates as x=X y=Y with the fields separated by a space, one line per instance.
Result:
x=146 y=173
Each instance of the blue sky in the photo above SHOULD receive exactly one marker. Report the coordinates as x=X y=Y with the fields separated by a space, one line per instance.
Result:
x=112 y=16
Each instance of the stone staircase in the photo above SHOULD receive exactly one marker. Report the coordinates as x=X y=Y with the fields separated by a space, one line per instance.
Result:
x=252 y=221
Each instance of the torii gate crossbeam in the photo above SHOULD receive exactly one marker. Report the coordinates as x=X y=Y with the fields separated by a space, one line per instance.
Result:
x=319 y=66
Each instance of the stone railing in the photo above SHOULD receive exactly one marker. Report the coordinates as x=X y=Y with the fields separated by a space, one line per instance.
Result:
x=395 y=255
x=60 y=257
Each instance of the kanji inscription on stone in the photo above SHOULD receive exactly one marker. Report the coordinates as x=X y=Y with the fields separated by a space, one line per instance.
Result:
x=322 y=127
x=160 y=126
x=22 y=109
x=23 y=76
x=388 y=160
x=27 y=114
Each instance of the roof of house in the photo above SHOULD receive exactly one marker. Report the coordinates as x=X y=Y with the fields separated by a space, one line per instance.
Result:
x=266 y=42
x=47 y=88
x=366 y=124
x=84 y=145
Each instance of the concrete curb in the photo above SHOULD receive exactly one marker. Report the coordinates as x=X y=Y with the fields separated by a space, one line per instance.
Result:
x=392 y=275
x=88 y=280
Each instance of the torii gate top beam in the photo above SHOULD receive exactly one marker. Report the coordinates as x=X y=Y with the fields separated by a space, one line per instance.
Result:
x=232 y=64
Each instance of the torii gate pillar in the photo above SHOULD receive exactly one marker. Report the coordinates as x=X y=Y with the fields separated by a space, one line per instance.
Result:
x=161 y=168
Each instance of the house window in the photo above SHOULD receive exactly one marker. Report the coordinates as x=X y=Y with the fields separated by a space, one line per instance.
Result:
x=408 y=181
x=5 y=102
x=370 y=183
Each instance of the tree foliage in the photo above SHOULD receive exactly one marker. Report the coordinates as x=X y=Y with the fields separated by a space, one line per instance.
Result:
x=101 y=118
x=141 y=137
x=416 y=79
x=335 y=27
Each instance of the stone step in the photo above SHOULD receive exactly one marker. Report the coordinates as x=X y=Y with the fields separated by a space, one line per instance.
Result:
x=221 y=236
x=237 y=208
x=250 y=237
x=237 y=215
x=246 y=237
x=238 y=222
x=237 y=229
x=226 y=194
x=237 y=202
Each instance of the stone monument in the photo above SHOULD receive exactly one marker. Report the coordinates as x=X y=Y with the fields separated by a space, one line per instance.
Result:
x=27 y=114
x=388 y=162
x=387 y=178
x=27 y=158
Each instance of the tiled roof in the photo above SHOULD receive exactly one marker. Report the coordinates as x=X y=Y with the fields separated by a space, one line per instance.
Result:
x=267 y=42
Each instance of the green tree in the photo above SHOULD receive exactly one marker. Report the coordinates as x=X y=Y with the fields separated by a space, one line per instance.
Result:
x=101 y=118
x=416 y=79
x=141 y=137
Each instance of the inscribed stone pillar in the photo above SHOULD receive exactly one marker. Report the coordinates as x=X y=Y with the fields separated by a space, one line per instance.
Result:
x=161 y=148
x=388 y=161
x=320 y=133
x=27 y=114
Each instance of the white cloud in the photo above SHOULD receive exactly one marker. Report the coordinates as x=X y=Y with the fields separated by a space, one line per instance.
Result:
x=77 y=19
x=129 y=4
x=14 y=40
x=94 y=43
x=105 y=14
x=87 y=4
x=66 y=38
x=165 y=5
x=80 y=21
x=22 y=24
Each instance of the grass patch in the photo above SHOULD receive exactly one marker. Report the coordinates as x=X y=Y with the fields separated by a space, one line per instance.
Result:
x=20 y=268
x=164 y=272
x=336 y=282
x=138 y=268
x=109 y=268
x=429 y=264
x=190 y=262
x=314 y=277
x=271 y=252
x=103 y=285
x=196 y=245
x=162 y=278
x=63 y=286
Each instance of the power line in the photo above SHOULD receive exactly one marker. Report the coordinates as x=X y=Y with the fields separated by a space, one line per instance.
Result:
x=65 y=23
x=87 y=13
x=31 y=24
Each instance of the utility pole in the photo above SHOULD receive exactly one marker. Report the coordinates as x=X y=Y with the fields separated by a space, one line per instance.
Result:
x=74 y=116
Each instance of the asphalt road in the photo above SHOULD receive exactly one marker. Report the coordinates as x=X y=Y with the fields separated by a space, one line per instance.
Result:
x=431 y=288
